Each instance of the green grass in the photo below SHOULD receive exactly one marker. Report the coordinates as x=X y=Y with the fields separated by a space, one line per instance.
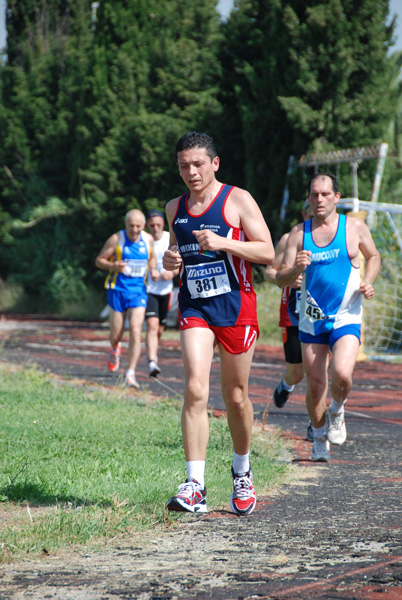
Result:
x=11 y=295
x=88 y=305
x=268 y=304
x=87 y=465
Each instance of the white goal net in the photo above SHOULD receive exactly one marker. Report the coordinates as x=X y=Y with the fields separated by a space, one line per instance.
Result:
x=383 y=314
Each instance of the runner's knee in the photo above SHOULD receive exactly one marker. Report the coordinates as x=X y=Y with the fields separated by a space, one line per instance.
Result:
x=196 y=390
x=316 y=387
x=237 y=399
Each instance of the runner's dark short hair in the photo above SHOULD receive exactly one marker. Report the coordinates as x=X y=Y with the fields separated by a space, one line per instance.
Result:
x=155 y=213
x=335 y=183
x=195 y=139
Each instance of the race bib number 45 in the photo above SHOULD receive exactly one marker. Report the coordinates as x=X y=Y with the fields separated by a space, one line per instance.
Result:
x=313 y=310
x=206 y=280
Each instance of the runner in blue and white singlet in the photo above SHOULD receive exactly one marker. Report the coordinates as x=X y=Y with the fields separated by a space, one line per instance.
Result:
x=331 y=295
x=126 y=256
x=327 y=250
x=136 y=256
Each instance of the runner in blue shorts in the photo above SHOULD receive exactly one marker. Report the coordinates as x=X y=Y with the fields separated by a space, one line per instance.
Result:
x=326 y=249
x=127 y=256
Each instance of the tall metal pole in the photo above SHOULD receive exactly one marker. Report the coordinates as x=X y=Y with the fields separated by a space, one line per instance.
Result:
x=382 y=155
x=354 y=166
x=285 y=197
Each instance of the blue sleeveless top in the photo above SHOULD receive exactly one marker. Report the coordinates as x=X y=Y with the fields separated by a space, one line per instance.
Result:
x=331 y=295
x=136 y=255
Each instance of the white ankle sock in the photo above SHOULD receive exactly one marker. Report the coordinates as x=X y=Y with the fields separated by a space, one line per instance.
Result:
x=337 y=407
x=130 y=372
x=241 y=462
x=196 y=470
x=319 y=431
x=288 y=388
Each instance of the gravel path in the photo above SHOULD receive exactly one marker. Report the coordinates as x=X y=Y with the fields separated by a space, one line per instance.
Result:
x=335 y=532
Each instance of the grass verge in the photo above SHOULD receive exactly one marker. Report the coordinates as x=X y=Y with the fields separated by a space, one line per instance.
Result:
x=268 y=303
x=82 y=465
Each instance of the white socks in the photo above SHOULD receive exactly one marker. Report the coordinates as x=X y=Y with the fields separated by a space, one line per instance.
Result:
x=319 y=431
x=241 y=462
x=337 y=407
x=288 y=388
x=196 y=470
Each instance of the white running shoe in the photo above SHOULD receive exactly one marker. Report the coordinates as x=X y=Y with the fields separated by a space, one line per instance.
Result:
x=243 y=499
x=132 y=382
x=335 y=427
x=153 y=369
x=320 y=450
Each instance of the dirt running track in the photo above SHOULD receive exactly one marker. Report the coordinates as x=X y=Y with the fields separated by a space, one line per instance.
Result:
x=336 y=533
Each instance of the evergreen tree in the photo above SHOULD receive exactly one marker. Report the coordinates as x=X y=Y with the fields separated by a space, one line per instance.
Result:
x=307 y=75
x=42 y=100
x=170 y=86
x=89 y=115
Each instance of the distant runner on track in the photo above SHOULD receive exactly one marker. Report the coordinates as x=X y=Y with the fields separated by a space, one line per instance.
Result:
x=127 y=255
x=159 y=289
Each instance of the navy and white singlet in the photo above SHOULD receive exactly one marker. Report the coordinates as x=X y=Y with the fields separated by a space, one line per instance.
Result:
x=331 y=295
x=214 y=286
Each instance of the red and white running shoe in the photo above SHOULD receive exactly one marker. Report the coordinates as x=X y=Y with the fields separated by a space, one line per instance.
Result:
x=114 y=358
x=243 y=498
x=191 y=497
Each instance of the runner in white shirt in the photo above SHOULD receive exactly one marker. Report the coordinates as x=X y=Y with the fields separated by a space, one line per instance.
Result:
x=159 y=289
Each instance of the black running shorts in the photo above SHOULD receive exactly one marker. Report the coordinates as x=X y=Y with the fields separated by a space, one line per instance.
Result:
x=158 y=306
x=291 y=344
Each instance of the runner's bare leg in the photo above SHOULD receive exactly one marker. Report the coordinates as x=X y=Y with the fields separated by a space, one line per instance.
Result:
x=135 y=320
x=235 y=371
x=197 y=350
x=315 y=362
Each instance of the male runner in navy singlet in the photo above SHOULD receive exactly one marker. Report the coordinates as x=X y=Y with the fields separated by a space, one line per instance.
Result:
x=216 y=231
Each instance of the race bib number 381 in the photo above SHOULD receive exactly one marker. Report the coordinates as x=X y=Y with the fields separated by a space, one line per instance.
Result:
x=206 y=280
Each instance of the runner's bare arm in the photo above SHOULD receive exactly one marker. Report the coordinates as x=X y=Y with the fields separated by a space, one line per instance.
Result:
x=152 y=264
x=295 y=260
x=103 y=260
x=270 y=271
x=172 y=260
x=242 y=211
x=372 y=257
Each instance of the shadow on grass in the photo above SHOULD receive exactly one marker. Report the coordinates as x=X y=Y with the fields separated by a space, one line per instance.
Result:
x=39 y=496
